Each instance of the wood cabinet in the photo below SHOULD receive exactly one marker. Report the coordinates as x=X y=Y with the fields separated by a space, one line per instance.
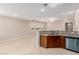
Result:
x=43 y=41
x=52 y=41
x=62 y=41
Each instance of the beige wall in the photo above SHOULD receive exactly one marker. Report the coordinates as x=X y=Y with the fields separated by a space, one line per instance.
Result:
x=59 y=24
x=56 y=25
x=13 y=28
x=37 y=24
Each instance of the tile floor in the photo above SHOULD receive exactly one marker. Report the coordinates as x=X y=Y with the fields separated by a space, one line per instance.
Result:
x=24 y=46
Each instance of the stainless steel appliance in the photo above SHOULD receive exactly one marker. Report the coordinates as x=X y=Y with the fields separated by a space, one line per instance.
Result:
x=72 y=43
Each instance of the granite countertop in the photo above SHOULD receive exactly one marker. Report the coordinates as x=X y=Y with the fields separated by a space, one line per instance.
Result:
x=75 y=36
x=50 y=34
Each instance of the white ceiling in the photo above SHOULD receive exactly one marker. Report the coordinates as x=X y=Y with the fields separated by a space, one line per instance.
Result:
x=33 y=10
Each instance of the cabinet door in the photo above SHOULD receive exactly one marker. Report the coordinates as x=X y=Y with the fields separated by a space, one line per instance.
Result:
x=62 y=42
x=50 y=42
x=43 y=41
x=57 y=42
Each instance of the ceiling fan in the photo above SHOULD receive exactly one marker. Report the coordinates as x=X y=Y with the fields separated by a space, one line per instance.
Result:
x=45 y=4
x=51 y=4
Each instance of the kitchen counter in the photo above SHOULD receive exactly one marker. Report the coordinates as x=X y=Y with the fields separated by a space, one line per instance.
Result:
x=50 y=34
x=52 y=41
x=73 y=35
x=65 y=40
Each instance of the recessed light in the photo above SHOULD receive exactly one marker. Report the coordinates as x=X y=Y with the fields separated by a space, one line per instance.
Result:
x=15 y=15
x=42 y=9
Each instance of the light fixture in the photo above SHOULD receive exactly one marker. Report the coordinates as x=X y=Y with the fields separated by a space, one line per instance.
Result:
x=52 y=19
x=42 y=9
x=52 y=5
x=45 y=4
x=15 y=15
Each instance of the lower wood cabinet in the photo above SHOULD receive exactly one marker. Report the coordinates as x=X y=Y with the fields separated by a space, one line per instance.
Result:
x=52 y=41
x=62 y=41
x=43 y=41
